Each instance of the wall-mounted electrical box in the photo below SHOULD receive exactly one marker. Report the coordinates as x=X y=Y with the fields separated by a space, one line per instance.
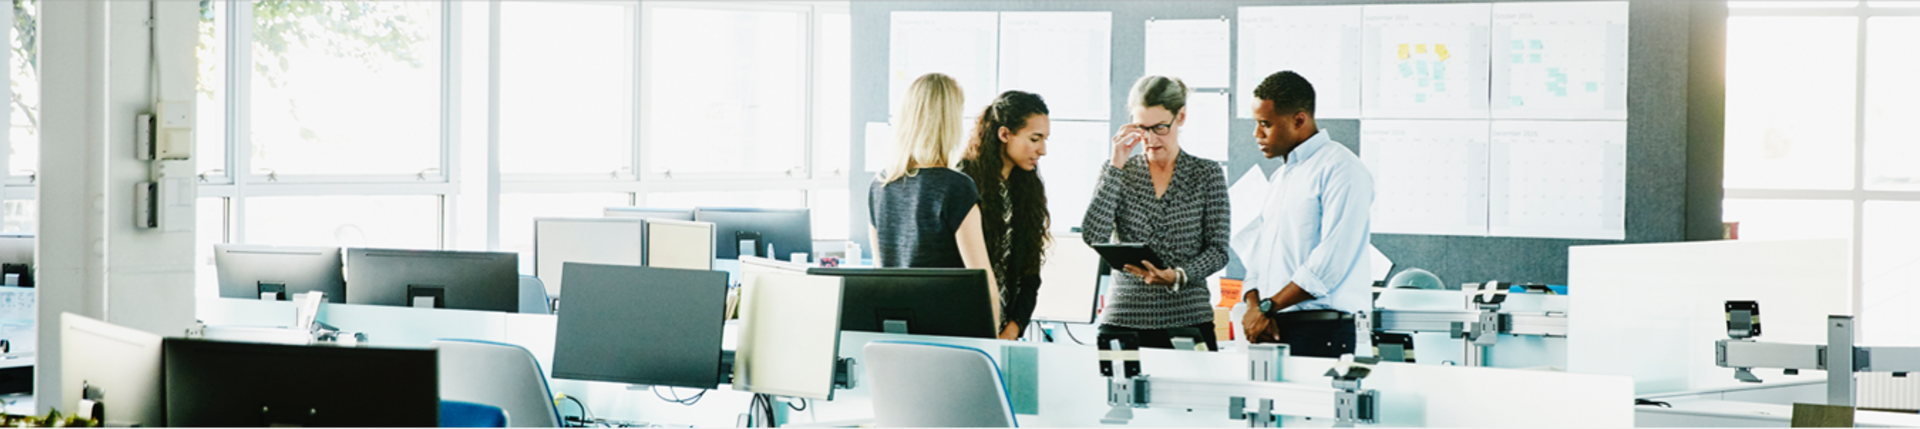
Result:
x=167 y=133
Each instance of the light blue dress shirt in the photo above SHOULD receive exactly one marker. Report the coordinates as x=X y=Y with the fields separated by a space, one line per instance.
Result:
x=1313 y=229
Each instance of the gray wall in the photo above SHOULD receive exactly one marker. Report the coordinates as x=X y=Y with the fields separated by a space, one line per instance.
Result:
x=1675 y=101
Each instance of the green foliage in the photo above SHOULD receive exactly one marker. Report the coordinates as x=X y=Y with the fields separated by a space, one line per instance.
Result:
x=365 y=30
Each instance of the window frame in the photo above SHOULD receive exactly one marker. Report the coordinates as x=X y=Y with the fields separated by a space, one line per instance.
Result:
x=1859 y=195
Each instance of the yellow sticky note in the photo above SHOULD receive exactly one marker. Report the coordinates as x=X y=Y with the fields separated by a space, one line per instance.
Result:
x=1420 y=48
x=1403 y=51
x=1442 y=50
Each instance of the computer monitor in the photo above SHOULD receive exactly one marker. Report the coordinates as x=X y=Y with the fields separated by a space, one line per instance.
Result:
x=434 y=278
x=686 y=245
x=16 y=257
x=1071 y=282
x=278 y=273
x=920 y=301
x=123 y=363
x=557 y=241
x=641 y=325
x=789 y=335
x=649 y=213
x=788 y=231
x=231 y=384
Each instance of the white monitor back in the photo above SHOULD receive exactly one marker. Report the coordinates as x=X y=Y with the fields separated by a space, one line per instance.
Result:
x=685 y=245
x=1069 y=281
x=789 y=335
x=759 y=265
x=610 y=241
x=124 y=363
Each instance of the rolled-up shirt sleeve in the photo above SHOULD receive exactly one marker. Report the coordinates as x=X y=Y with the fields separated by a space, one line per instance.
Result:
x=1347 y=202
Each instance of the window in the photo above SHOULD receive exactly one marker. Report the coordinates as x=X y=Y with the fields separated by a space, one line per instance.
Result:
x=210 y=228
x=1790 y=117
x=406 y=222
x=1789 y=219
x=1893 y=102
x=566 y=110
x=344 y=123
x=1795 y=165
x=833 y=97
x=345 y=88
x=728 y=91
x=1890 y=258
x=210 y=110
x=23 y=72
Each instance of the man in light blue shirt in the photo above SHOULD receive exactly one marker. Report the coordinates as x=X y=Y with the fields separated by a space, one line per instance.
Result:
x=1307 y=247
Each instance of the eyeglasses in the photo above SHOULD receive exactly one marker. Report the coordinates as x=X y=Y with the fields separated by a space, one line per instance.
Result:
x=1161 y=129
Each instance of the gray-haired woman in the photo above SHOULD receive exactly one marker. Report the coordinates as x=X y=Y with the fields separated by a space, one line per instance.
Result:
x=1174 y=202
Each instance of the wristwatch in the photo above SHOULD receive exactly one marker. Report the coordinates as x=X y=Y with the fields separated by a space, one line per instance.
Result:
x=1266 y=307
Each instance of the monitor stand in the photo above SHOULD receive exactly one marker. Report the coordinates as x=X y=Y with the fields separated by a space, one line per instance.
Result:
x=893 y=326
x=273 y=291
x=426 y=296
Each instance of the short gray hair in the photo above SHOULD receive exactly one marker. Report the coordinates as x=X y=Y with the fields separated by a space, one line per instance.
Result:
x=1158 y=91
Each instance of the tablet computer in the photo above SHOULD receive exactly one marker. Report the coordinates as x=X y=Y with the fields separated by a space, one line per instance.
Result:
x=1119 y=255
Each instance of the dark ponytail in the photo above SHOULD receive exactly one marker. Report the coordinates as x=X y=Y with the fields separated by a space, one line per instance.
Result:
x=984 y=160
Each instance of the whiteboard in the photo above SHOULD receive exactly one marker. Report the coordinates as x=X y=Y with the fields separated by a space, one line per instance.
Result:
x=1558 y=179
x=1560 y=60
x=1425 y=61
x=610 y=241
x=1063 y=56
x=1321 y=43
x=962 y=45
x=1429 y=176
x=1195 y=50
x=1205 y=133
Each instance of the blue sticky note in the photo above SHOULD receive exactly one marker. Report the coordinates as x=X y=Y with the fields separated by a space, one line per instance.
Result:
x=1519 y=45
x=1535 y=58
x=1593 y=86
x=1422 y=65
x=1419 y=98
x=1423 y=82
x=1516 y=101
x=1406 y=70
x=1439 y=86
x=1562 y=92
x=1536 y=44
x=1554 y=71
x=1519 y=58
x=1439 y=73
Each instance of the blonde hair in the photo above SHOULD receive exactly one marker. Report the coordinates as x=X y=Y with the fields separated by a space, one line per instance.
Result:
x=930 y=128
x=1161 y=91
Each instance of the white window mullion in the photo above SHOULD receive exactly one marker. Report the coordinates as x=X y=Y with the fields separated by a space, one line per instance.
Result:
x=239 y=114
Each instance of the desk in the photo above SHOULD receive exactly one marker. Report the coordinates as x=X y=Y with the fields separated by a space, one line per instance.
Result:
x=1071 y=391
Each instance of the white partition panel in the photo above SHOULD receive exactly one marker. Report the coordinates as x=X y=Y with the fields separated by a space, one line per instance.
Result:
x=1653 y=311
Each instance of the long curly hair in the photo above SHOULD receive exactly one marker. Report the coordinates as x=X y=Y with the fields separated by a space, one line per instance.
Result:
x=984 y=160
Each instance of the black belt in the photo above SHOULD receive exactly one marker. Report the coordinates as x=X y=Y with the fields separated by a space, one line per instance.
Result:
x=1312 y=316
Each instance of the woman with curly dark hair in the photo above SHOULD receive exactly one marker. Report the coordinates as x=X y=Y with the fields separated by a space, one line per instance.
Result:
x=1002 y=158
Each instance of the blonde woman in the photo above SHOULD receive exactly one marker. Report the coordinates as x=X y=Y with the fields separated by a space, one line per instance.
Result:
x=1174 y=202
x=925 y=213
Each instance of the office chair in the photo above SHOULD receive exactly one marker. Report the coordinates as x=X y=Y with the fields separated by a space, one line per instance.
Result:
x=456 y=414
x=533 y=296
x=936 y=385
x=501 y=375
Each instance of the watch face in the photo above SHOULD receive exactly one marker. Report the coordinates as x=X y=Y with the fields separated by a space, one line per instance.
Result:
x=1266 y=306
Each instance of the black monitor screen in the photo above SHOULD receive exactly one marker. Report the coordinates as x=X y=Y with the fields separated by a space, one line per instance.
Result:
x=789 y=231
x=249 y=271
x=928 y=301
x=442 y=279
x=226 y=384
x=641 y=325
